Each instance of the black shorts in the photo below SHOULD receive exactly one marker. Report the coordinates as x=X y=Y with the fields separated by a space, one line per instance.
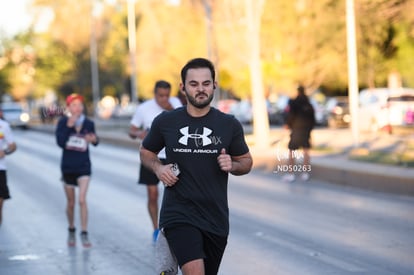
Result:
x=147 y=177
x=299 y=139
x=71 y=179
x=4 y=189
x=190 y=243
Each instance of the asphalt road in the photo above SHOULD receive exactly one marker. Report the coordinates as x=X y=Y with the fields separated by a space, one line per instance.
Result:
x=276 y=228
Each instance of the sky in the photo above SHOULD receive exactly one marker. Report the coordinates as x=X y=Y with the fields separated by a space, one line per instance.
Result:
x=14 y=16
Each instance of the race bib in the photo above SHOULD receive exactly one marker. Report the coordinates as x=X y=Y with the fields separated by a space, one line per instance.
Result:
x=76 y=143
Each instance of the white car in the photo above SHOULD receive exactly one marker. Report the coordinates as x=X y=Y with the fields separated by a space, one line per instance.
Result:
x=15 y=115
x=384 y=109
x=320 y=114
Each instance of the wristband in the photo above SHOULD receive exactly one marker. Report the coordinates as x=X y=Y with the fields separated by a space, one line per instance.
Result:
x=7 y=151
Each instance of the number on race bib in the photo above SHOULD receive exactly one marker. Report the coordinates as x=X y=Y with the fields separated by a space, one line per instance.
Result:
x=76 y=143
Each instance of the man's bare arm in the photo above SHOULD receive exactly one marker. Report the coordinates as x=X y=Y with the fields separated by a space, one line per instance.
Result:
x=11 y=147
x=236 y=165
x=136 y=132
x=241 y=165
x=149 y=159
x=164 y=173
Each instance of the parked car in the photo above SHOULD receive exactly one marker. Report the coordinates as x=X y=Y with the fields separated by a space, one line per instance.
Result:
x=320 y=114
x=15 y=115
x=385 y=109
x=337 y=112
x=281 y=108
x=225 y=105
x=399 y=111
x=243 y=111
x=277 y=110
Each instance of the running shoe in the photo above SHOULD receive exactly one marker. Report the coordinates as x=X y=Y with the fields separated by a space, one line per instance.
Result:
x=155 y=235
x=85 y=240
x=71 y=237
x=305 y=176
x=166 y=263
x=288 y=178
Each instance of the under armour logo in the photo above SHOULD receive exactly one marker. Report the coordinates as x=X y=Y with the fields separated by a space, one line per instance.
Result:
x=205 y=140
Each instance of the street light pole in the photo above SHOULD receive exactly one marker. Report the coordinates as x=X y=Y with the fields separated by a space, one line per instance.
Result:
x=94 y=58
x=132 y=48
x=352 y=70
x=207 y=10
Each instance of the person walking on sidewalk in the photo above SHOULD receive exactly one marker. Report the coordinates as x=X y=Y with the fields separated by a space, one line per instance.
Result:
x=8 y=147
x=74 y=133
x=300 y=120
x=203 y=145
x=140 y=123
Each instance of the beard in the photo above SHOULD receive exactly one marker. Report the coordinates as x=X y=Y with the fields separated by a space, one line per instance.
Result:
x=199 y=103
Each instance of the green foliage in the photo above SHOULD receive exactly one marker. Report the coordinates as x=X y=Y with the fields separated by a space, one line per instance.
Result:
x=301 y=41
x=404 y=61
x=4 y=83
x=378 y=45
x=54 y=65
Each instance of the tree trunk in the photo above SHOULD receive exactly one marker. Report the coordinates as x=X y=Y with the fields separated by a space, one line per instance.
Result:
x=260 y=117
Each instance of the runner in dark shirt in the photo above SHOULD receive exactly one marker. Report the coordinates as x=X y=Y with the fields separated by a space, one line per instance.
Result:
x=73 y=134
x=206 y=145
x=300 y=121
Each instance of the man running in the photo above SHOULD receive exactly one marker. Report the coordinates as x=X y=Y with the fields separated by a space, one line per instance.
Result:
x=9 y=146
x=140 y=124
x=203 y=146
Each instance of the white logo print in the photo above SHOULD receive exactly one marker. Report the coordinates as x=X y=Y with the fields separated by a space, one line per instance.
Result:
x=204 y=136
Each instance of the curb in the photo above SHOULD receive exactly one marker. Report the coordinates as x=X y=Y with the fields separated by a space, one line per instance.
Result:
x=368 y=180
x=357 y=174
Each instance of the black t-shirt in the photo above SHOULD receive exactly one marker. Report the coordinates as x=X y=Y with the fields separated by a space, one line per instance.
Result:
x=75 y=155
x=194 y=143
x=301 y=114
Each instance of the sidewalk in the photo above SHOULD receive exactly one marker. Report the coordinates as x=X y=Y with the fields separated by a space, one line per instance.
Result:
x=333 y=165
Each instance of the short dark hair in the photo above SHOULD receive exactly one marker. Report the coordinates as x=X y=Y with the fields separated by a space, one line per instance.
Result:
x=161 y=84
x=195 y=64
x=301 y=90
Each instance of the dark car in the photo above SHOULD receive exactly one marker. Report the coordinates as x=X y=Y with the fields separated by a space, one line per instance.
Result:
x=277 y=110
x=337 y=112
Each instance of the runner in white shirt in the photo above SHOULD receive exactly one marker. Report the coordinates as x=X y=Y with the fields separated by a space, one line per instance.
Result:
x=7 y=146
x=140 y=124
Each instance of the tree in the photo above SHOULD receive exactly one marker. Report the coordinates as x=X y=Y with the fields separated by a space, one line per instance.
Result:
x=17 y=69
x=4 y=71
x=254 y=9
x=63 y=60
x=381 y=24
x=299 y=41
